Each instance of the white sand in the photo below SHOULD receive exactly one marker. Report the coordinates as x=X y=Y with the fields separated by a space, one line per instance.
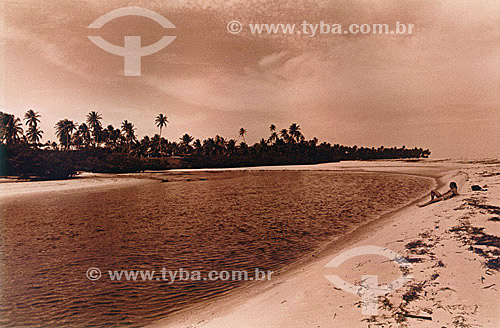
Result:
x=424 y=166
x=457 y=290
x=85 y=181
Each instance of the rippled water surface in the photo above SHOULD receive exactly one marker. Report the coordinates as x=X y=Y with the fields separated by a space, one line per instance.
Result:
x=217 y=221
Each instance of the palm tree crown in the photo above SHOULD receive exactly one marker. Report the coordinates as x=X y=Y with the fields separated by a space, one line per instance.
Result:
x=84 y=132
x=243 y=132
x=186 y=139
x=274 y=136
x=34 y=135
x=284 y=134
x=294 y=131
x=128 y=130
x=32 y=118
x=64 y=129
x=11 y=129
x=161 y=121
x=94 y=121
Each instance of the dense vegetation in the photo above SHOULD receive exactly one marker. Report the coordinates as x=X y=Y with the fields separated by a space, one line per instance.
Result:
x=92 y=147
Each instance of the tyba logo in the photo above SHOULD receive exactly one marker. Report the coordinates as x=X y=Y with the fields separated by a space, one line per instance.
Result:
x=369 y=290
x=132 y=51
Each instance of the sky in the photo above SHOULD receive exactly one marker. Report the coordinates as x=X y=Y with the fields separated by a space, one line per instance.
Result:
x=438 y=88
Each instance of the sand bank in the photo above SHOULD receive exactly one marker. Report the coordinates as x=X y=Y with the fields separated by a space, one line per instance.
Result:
x=84 y=181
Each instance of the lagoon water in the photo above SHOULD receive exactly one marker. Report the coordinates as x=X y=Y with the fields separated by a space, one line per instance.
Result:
x=217 y=221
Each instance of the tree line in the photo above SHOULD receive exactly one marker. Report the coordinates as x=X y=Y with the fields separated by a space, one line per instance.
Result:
x=92 y=138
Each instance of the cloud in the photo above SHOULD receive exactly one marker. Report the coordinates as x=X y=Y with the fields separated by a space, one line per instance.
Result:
x=341 y=87
x=272 y=59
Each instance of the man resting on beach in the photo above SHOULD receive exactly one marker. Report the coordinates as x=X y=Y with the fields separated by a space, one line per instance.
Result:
x=436 y=196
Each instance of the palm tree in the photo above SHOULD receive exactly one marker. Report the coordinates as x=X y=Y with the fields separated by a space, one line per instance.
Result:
x=231 y=147
x=295 y=133
x=32 y=118
x=284 y=135
x=113 y=135
x=128 y=130
x=274 y=136
x=11 y=130
x=64 y=130
x=220 y=144
x=161 y=121
x=142 y=147
x=209 y=146
x=243 y=132
x=84 y=132
x=197 y=146
x=34 y=135
x=261 y=146
x=94 y=121
x=186 y=140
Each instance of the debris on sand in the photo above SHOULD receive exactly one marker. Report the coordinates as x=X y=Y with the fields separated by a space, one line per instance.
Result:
x=481 y=243
x=418 y=247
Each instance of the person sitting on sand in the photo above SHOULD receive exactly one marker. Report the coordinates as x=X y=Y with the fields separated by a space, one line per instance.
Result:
x=436 y=196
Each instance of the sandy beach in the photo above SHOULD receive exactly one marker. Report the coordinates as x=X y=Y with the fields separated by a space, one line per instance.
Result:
x=84 y=181
x=453 y=247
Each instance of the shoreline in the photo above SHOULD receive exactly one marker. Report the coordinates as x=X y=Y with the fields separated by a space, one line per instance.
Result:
x=324 y=249
x=229 y=302
x=259 y=304
x=83 y=182
x=86 y=180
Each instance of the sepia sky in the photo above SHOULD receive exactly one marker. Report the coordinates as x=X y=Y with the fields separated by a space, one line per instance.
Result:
x=438 y=88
